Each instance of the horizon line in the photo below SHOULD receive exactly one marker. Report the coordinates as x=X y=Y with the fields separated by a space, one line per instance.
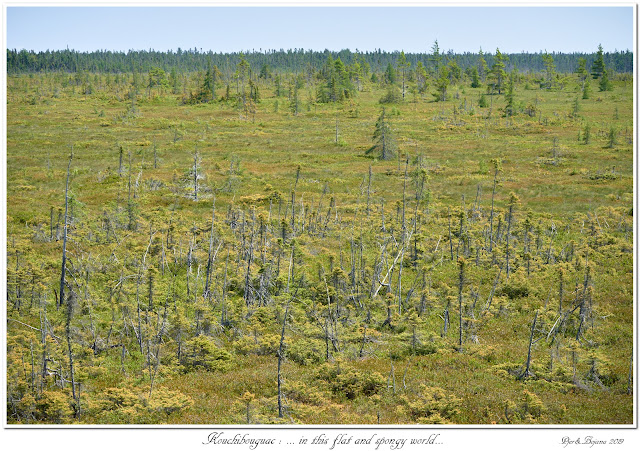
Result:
x=305 y=50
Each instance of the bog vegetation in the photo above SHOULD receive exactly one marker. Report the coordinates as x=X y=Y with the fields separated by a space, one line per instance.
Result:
x=415 y=239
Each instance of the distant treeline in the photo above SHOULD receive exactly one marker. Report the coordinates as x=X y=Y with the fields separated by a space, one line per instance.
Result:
x=296 y=60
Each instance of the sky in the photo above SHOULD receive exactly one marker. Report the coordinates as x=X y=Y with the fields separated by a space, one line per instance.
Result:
x=412 y=29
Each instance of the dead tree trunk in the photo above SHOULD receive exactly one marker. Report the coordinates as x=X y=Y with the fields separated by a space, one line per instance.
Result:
x=223 y=309
x=195 y=175
x=280 y=359
x=450 y=239
x=404 y=202
x=43 y=337
x=293 y=212
x=129 y=198
x=493 y=195
x=364 y=340
x=155 y=155
x=461 y=264
x=513 y=200
x=67 y=329
x=561 y=289
x=493 y=290
x=248 y=297
x=139 y=333
x=368 y=191
x=209 y=259
x=51 y=225
x=64 y=239
x=527 y=372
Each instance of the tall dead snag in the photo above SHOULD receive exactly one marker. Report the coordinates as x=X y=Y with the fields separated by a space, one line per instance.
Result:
x=223 y=305
x=561 y=275
x=497 y=164
x=248 y=289
x=196 y=166
x=389 y=275
x=400 y=266
x=462 y=232
x=138 y=282
x=64 y=236
x=404 y=201
x=369 y=192
x=280 y=359
x=527 y=372
x=212 y=256
x=71 y=299
x=129 y=182
x=461 y=264
x=155 y=154
x=43 y=337
x=493 y=290
x=445 y=318
x=450 y=239
x=513 y=201
x=51 y=225
x=76 y=398
x=293 y=211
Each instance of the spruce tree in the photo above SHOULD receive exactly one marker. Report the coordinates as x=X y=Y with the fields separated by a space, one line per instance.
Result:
x=173 y=81
x=403 y=65
x=454 y=71
x=356 y=71
x=586 y=89
x=390 y=74
x=605 y=84
x=586 y=135
x=421 y=76
x=442 y=83
x=550 y=70
x=597 y=69
x=482 y=65
x=582 y=69
x=436 y=57
x=278 y=85
x=294 y=103
x=157 y=78
x=475 y=78
x=264 y=72
x=498 y=74
x=612 y=138
x=344 y=86
x=482 y=102
x=208 y=86
x=338 y=85
x=509 y=109
x=384 y=143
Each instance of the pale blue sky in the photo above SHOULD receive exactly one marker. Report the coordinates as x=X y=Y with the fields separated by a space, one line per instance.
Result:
x=412 y=29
